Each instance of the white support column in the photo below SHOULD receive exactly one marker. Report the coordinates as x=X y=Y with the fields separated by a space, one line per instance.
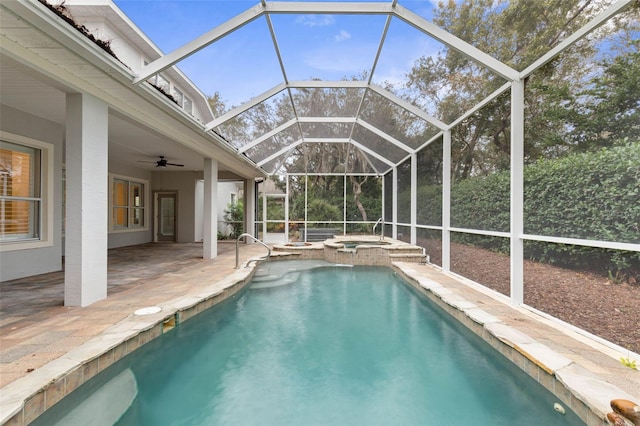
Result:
x=87 y=200
x=414 y=197
x=210 y=217
x=306 y=201
x=394 y=203
x=344 y=205
x=286 y=210
x=264 y=216
x=382 y=204
x=517 y=192
x=250 y=208
x=446 y=200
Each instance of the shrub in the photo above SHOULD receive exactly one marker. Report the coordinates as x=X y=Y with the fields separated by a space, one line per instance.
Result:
x=234 y=217
x=586 y=196
x=322 y=210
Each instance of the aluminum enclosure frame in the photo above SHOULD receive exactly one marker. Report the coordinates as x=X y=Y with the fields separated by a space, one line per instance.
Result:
x=392 y=10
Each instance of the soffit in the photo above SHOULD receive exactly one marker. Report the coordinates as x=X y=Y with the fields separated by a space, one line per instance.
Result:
x=44 y=58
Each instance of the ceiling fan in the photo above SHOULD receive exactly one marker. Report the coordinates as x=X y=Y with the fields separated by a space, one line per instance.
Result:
x=162 y=162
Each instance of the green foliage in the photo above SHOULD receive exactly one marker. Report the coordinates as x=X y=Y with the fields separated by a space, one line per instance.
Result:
x=326 y=197
x=482 y=203
x=429 y=204
x=322 y=210
x=364 y=197
x=590 y=195
x=234 y=217
x=628 y=362
x=611 y=107
x=585 y=196
x=582 y=100
x=448 y=84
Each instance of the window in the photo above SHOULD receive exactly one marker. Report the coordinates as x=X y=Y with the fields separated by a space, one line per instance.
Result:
x=162 y=83
x=234 y=199
x=128 y=202
x=183 y=101
x=159 y=81
x=26 y=193
x=178 y=96
x=188 y=105
x=20 y=192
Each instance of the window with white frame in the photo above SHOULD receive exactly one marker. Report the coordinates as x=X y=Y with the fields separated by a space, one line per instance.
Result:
x=26 y=186
x=20 y=192
x=163 y=83
x=185 y=102
x=178 y=96
x=159 y=81
x=128 y=203
x=188 y=105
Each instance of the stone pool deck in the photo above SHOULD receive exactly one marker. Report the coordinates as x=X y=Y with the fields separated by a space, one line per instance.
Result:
x=47 y=350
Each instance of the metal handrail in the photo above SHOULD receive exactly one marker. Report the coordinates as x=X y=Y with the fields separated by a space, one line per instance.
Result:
x=373 y=231
x=254 y=239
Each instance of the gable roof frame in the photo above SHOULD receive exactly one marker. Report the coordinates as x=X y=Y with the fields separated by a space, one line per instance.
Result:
x=392 y=10
x=265 y=8
x=322 y=84
x=268 y=135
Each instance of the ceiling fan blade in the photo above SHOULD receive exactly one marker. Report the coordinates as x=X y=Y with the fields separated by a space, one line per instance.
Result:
x=162 y=162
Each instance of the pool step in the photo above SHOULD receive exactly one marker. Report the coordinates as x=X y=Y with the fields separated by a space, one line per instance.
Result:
x=284 y=272
x=275 y=280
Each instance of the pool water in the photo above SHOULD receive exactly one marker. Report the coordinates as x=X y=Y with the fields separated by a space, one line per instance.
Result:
x=335 y=346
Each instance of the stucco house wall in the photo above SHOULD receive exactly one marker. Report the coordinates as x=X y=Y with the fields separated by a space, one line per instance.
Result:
x=19 y=263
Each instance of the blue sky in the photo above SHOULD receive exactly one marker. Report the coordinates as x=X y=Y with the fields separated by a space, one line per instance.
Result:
x=244 y=64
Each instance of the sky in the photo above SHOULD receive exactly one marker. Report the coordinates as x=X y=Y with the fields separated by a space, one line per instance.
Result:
x=244 y=64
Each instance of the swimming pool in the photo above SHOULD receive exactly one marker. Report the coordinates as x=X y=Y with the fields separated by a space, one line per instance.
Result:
x=327 y=345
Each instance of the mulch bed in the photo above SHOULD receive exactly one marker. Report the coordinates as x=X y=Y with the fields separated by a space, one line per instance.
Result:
x=584 y=299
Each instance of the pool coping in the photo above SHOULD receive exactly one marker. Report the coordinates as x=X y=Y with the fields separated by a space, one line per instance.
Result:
x=584 y=392
x=576 y=386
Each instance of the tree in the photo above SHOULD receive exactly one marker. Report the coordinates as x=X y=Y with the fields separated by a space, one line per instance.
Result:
x=233 y=131
x=217 y=104
x=609 y=110
x=450 y=83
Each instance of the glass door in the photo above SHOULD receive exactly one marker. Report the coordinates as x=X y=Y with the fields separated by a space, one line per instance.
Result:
x=166 y=218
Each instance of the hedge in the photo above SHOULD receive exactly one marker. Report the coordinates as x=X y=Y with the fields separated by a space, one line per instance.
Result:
x=587 y=196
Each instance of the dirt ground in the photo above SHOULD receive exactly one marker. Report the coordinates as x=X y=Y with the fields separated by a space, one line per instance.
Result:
x=586 y=300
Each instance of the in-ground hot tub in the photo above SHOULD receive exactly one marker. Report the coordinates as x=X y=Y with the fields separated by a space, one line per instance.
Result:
x=357 y=243
x=356 y=250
